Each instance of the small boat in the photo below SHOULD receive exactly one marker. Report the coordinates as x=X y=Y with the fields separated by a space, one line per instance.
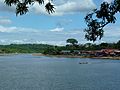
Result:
x=83 y=62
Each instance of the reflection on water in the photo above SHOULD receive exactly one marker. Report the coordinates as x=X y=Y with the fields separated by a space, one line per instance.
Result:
x=27 y=72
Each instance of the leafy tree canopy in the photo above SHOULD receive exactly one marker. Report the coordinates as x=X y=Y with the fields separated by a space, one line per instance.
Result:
x=99 y=18
x=22 y=6
x=72 y=41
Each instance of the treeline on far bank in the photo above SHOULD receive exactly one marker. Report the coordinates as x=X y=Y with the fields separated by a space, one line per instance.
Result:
x=52 y=49
x=24 y=48
x=82 y=47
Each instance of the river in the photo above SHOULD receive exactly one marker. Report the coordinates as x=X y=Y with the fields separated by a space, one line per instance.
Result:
x=27 y=72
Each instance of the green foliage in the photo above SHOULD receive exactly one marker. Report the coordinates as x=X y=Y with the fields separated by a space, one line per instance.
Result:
x=54 y=50
x=22 y=6
x=104 y=45
x=99 y=18
x=24 y=48
x=72 y=41
x=49 y=8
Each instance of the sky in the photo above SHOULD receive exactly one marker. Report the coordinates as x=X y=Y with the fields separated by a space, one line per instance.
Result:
x=37 y=26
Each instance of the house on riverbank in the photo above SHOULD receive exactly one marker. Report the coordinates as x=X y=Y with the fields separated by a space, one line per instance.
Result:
x=94 y=53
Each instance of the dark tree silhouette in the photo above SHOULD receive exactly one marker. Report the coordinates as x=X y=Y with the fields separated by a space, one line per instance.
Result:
x=72 y=41
x=22 y=6
x=99 y=18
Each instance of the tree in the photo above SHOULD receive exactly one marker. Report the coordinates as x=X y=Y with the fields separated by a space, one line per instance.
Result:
x=104 y=45
x=99 y=18
x=118 y=42
x=72 y=41
x=22 y=6
x=88 y=44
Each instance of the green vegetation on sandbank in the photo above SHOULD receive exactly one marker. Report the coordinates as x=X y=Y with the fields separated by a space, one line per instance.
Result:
x=72 y=49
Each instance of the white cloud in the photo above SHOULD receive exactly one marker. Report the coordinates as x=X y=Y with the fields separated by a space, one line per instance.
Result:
x=27 y=41
x=75 y=6
x=5 y=8
x=68 y=7
x=57 y=30
x=5 y=21
x=109 y=1
x=7 y=29
x=13 y=29
x=62 y=7
x=20 y=35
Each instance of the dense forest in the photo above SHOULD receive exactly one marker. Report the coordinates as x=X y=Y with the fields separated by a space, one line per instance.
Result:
x=52 y=49
x=24 y=48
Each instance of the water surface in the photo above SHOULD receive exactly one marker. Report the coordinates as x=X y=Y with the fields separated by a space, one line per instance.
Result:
x=27 y=72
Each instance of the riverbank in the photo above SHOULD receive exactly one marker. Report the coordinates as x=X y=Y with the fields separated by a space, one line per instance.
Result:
x=109 y=57
x=76 y=56
x=8 y=54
